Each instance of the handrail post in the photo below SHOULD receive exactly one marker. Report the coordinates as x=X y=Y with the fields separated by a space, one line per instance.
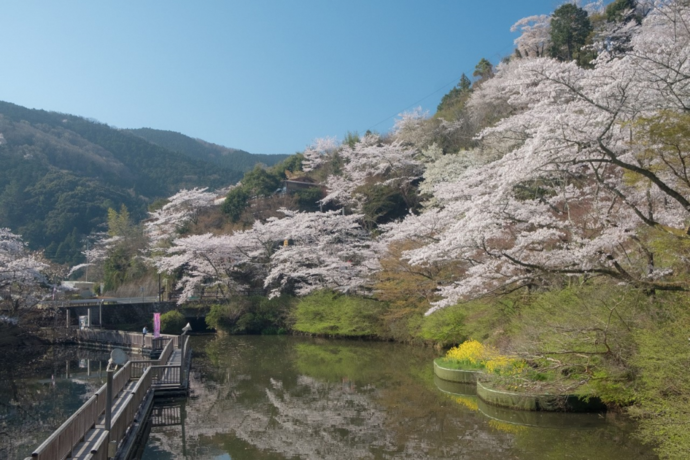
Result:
x=109 y=398
x=184 y=347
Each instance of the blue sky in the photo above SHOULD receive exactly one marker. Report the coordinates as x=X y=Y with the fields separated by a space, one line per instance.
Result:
x=262 y=76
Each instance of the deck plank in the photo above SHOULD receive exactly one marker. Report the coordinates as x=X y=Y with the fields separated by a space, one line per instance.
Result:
x=93 y=438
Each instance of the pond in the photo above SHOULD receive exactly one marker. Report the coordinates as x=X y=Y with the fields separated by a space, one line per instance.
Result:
x=39 y=391
x=277 y=397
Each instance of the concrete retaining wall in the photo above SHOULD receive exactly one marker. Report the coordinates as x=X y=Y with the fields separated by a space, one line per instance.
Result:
x=455 y=375
x=512 y=400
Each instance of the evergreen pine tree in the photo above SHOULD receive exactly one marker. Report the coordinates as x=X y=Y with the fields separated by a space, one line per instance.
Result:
x=570 y=27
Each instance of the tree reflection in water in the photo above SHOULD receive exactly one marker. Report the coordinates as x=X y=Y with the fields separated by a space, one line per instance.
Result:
x=290 y=397
x=40 y=390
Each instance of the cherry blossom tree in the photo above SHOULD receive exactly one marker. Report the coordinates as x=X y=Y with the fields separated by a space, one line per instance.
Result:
x=535 y=35
x=20 y=272
x=601 y=155
x=440 y=169
x=326 y=250
x=318 y=153
x=222 y=265
x=211 y=265
x=411 y=128
x=181 y=208
x=96 y=251
x=373 y=160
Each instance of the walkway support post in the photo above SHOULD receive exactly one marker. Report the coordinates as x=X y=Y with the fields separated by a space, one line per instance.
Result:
x=109 y=397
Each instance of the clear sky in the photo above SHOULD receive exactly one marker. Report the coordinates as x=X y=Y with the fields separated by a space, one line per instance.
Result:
x=262 y=76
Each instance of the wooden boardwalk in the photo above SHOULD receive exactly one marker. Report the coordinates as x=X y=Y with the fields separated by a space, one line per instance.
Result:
x=84 y=434
x=98 y=435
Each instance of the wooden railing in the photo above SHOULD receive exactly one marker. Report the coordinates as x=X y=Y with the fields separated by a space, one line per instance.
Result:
x=184 y=345
x=120 y=379
x=167 y=375
x=142 y=387
x=167 y=351
x=126 y=339
x=158 y=343
x=100 y=451
x=138 y=367
x=64 y=439
x=60 y=444
x=124 y=417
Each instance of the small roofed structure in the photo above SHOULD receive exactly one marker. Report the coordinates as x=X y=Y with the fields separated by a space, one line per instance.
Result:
x=295 y=182
x=83 y=288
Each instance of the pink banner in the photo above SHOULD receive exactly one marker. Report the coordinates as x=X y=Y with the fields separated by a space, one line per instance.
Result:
x=156 y=324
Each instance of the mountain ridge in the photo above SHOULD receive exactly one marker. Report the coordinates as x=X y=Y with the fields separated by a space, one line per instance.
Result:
x=204 y=150
x=60 y=173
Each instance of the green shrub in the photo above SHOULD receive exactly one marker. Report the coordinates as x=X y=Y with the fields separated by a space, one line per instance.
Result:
x=235 y=202
x=261 y=182
x=445 y=327
x=172 y=322
x=219 y=317
x=252 y=315
x=477 y=319
x=401 y=325
x=329 y=313
x=663 y=384
x=583 y=337
x=292 y=163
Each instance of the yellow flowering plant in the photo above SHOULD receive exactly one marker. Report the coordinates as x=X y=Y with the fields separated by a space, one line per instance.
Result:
x=505 y=366
x=474 y=355
x=470 y=352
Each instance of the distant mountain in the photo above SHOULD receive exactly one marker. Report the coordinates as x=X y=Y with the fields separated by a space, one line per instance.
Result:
x=206 y=151
x=60 y=173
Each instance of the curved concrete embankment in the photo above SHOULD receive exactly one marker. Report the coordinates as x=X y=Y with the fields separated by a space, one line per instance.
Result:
x=541 y=419
x=455 y=388
x=537 y=402
x=512 y=400
x=455 y=375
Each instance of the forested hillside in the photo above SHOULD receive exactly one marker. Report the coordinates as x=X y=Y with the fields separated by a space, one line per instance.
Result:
x=60 y=173
x=236 y=159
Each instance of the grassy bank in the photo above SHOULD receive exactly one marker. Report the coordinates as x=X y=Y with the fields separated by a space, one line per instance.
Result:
x=627 y=347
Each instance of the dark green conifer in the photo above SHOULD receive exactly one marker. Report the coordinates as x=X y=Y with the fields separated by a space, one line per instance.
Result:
x=570 y=27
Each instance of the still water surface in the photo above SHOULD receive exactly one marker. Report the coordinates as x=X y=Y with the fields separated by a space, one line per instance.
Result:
x=259 y=397
x=40 y=391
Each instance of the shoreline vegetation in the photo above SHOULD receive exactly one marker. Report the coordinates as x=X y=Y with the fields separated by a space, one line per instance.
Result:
x=552 y=332
x=613 y=344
